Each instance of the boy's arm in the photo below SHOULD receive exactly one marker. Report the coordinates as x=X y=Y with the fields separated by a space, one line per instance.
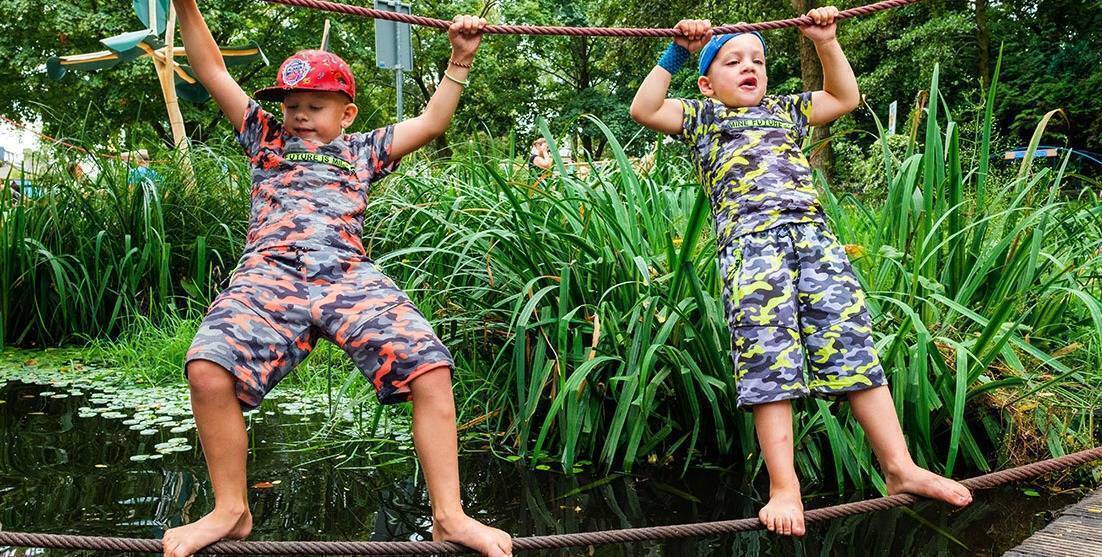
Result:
x=465 y=34
x=650 y=107
x=840 y=94
x=206 y=60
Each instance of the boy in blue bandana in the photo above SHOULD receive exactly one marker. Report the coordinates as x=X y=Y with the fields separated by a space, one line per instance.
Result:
x=793 y=304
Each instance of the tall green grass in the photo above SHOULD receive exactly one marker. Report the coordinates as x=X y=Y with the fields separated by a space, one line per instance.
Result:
x=597 y=300
x=585 y=314
x=975 y=284
x=83 y=256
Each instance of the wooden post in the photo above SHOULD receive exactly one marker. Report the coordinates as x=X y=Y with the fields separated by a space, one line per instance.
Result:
x=325 y=36
x=166 y=70
x=153 y=16
x=165 y=63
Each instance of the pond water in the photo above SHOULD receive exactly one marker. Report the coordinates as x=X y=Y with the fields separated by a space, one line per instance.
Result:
x=76 y=460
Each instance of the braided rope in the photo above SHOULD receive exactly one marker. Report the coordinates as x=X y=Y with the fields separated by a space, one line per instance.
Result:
x=986 y=481
x=361 y=11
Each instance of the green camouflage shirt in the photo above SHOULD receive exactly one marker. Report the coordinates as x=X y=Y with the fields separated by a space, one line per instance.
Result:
x=751 y=164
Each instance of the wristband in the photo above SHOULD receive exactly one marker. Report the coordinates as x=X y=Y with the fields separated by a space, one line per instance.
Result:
x=674 y=57
x=460 y=64
x=462 y=82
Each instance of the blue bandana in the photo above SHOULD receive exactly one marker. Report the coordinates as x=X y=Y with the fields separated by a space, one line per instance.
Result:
x=708 y=53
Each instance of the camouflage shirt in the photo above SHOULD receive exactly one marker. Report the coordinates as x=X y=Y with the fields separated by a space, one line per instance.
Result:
x=751 y=164
x=306 y=195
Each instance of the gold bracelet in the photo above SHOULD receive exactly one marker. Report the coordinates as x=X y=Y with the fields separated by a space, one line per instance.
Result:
x=460 y=64
x=459 y=81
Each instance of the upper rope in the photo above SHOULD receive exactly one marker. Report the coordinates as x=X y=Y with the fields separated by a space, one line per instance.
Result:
x=581 y=31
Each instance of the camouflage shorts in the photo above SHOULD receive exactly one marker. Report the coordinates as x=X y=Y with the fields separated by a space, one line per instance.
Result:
x=280 y=301
x=791 y=297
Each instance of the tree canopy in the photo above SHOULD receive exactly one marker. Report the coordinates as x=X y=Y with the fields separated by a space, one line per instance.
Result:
x=1051 y=56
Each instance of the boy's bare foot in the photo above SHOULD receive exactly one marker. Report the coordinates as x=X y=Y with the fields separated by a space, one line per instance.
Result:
x=784 y=514
x=219 y=524
x=465 y=530
x=919 y=481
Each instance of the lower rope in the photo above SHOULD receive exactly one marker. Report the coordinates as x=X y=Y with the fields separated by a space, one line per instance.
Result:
x=986 y=481
x=579 y=31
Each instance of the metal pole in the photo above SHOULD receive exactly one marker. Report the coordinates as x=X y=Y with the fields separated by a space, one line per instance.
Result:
x=398 y=85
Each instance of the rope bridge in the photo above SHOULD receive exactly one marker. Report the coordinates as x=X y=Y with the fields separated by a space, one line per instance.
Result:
x=411 y=19
x=580 y=539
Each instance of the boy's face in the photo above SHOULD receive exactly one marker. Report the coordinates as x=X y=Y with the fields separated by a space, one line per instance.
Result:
x=737 y=75
x=317 y=116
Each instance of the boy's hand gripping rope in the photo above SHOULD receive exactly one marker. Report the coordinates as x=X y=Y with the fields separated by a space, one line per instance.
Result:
x=581 y=31
x=580 y=539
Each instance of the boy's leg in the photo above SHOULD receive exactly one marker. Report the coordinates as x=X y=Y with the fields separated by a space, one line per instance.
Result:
x=874 y=409
x=784 y=514
x=760 y=304
x=843 y=360
x=395 y=347
x=255 y=332
x=435 y=437
x=221 y=427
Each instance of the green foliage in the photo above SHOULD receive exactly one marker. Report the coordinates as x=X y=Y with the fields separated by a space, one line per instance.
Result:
x=861 y=171
x=584 y=310
x=975 y=283
x=88 y=254
x=893 y=52
x=612 y=342
x=1051 y=61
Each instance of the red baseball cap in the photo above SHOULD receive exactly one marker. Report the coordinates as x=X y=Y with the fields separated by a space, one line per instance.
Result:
x=311 y=70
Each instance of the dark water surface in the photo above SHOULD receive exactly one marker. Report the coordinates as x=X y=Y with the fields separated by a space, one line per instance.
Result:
x=65 y=468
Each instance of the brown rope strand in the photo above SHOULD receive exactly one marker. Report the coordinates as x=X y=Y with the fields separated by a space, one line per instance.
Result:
x=411 y=19
x=580 y=539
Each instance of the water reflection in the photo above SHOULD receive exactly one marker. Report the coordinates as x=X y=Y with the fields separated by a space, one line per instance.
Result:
x=68 y=474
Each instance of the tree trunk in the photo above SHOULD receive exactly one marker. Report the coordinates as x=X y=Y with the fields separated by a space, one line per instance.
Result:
x=983 y=44
x=811 y=71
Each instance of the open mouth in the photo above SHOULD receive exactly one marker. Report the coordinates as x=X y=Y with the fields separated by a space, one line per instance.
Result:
x=748 y=83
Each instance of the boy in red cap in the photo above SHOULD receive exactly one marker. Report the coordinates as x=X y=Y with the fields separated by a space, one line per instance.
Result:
x=304 y=276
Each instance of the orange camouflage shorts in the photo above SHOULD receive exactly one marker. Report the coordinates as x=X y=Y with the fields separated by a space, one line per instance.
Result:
x=281 y=300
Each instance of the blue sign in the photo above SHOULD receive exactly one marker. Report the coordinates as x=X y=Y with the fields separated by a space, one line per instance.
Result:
x=1020 y=154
